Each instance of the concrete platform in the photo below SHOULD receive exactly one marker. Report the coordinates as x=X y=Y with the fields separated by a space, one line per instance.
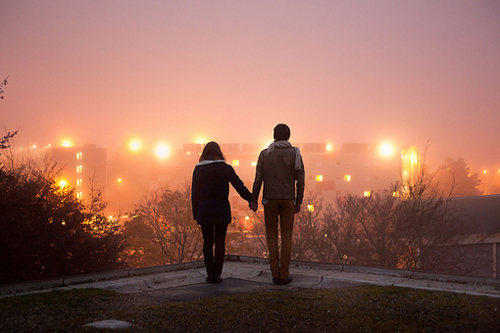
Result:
x=243 y=274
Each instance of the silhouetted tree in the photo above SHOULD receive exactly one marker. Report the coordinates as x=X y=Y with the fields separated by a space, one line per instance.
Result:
x=455 y=179
x=2 y=84
x=307 y=237
x=342 y=227
x=426 y=228
x=377 y=229
x=255 y=241
x=45 y=231
x=163 y=221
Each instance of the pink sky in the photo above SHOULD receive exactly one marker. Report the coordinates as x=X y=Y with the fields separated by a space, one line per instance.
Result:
x=408 y=72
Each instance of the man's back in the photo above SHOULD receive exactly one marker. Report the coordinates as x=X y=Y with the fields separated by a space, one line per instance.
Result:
x=277 y=170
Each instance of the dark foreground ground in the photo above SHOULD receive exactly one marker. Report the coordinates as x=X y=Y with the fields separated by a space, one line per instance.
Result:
x=351 y=309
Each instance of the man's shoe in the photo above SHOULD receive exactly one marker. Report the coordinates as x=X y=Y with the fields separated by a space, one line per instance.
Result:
x=286 y=281
x=210 y=279
x=277 y=280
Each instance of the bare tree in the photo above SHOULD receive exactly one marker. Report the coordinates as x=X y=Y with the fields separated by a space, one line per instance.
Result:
x=307 y=234
x=2 y=84
x=256 y=237
x=342 y=227
x=166 y=218
x=378 y=227
x=426 y=227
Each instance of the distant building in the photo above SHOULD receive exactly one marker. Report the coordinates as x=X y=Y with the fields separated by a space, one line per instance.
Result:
x=79 y=166
x=356 y=168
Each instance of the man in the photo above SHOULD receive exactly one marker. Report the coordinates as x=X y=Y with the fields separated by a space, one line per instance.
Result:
x=281 y=168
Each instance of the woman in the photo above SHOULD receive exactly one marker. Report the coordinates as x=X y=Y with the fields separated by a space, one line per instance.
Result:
x=211 y=209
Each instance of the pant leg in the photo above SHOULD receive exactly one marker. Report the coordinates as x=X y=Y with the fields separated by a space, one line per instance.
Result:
x=287 y=214
x=208 y=248
x=271 y=211
x=220 y=247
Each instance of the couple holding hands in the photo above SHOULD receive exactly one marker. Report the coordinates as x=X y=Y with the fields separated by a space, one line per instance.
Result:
x=281 y=169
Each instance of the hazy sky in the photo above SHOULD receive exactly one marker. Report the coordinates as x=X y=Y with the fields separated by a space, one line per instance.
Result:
x=338 y=71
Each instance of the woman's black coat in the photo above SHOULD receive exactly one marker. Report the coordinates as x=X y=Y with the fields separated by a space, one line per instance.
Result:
x=210 y=192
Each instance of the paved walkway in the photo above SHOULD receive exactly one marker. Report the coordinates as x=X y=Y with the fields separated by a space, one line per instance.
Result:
x=240 y=277
x=180 y=283
x=175 y=283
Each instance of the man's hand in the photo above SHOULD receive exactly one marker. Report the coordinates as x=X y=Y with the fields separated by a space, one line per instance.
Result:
x=297 y=208
x=254 y=206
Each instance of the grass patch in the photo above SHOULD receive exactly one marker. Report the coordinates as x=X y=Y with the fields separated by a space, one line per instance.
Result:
x=357 y=309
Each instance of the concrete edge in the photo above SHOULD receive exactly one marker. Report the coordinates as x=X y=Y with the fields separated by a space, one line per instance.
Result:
x=12 y=289
x=412 y=274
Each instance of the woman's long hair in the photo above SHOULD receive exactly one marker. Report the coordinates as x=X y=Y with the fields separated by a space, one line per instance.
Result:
x=212 y=151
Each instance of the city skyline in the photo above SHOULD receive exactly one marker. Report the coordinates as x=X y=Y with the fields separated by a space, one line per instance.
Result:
x=408 y=73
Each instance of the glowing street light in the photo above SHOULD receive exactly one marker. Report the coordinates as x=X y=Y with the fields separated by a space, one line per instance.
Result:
x=67 y=143
x=135 y=145
x=329 y=147
x=62 y=183
x=200 y=140
x=386 y=149
x=162 y=151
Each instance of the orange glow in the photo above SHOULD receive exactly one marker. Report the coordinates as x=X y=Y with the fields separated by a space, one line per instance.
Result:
x=386 y=149
x=119 y=180
x=162 y=151
x=329 y=147
x=67 y=143
x=200 y=140
x=319 y=178
x=135 y=145
x=310 y=208
x=62 y=183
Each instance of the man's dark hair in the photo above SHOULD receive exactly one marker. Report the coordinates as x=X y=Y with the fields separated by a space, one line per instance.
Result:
x=281 y=132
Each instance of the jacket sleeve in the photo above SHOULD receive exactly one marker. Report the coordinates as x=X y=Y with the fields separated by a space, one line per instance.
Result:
x=238 y=185
x=257 y=183
x=194 y=194
x=301 y=181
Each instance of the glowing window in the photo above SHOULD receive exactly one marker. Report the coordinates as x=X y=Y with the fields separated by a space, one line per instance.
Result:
x=329 y=147
x=310 y=208
x=79 y=169
x=367 y=193
x=395 y=194
x=319 y=178
x=347 y=178
x=79 y=155
x=255 y=163
x=79 y=182
x=236 y=162
x=79 y=195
